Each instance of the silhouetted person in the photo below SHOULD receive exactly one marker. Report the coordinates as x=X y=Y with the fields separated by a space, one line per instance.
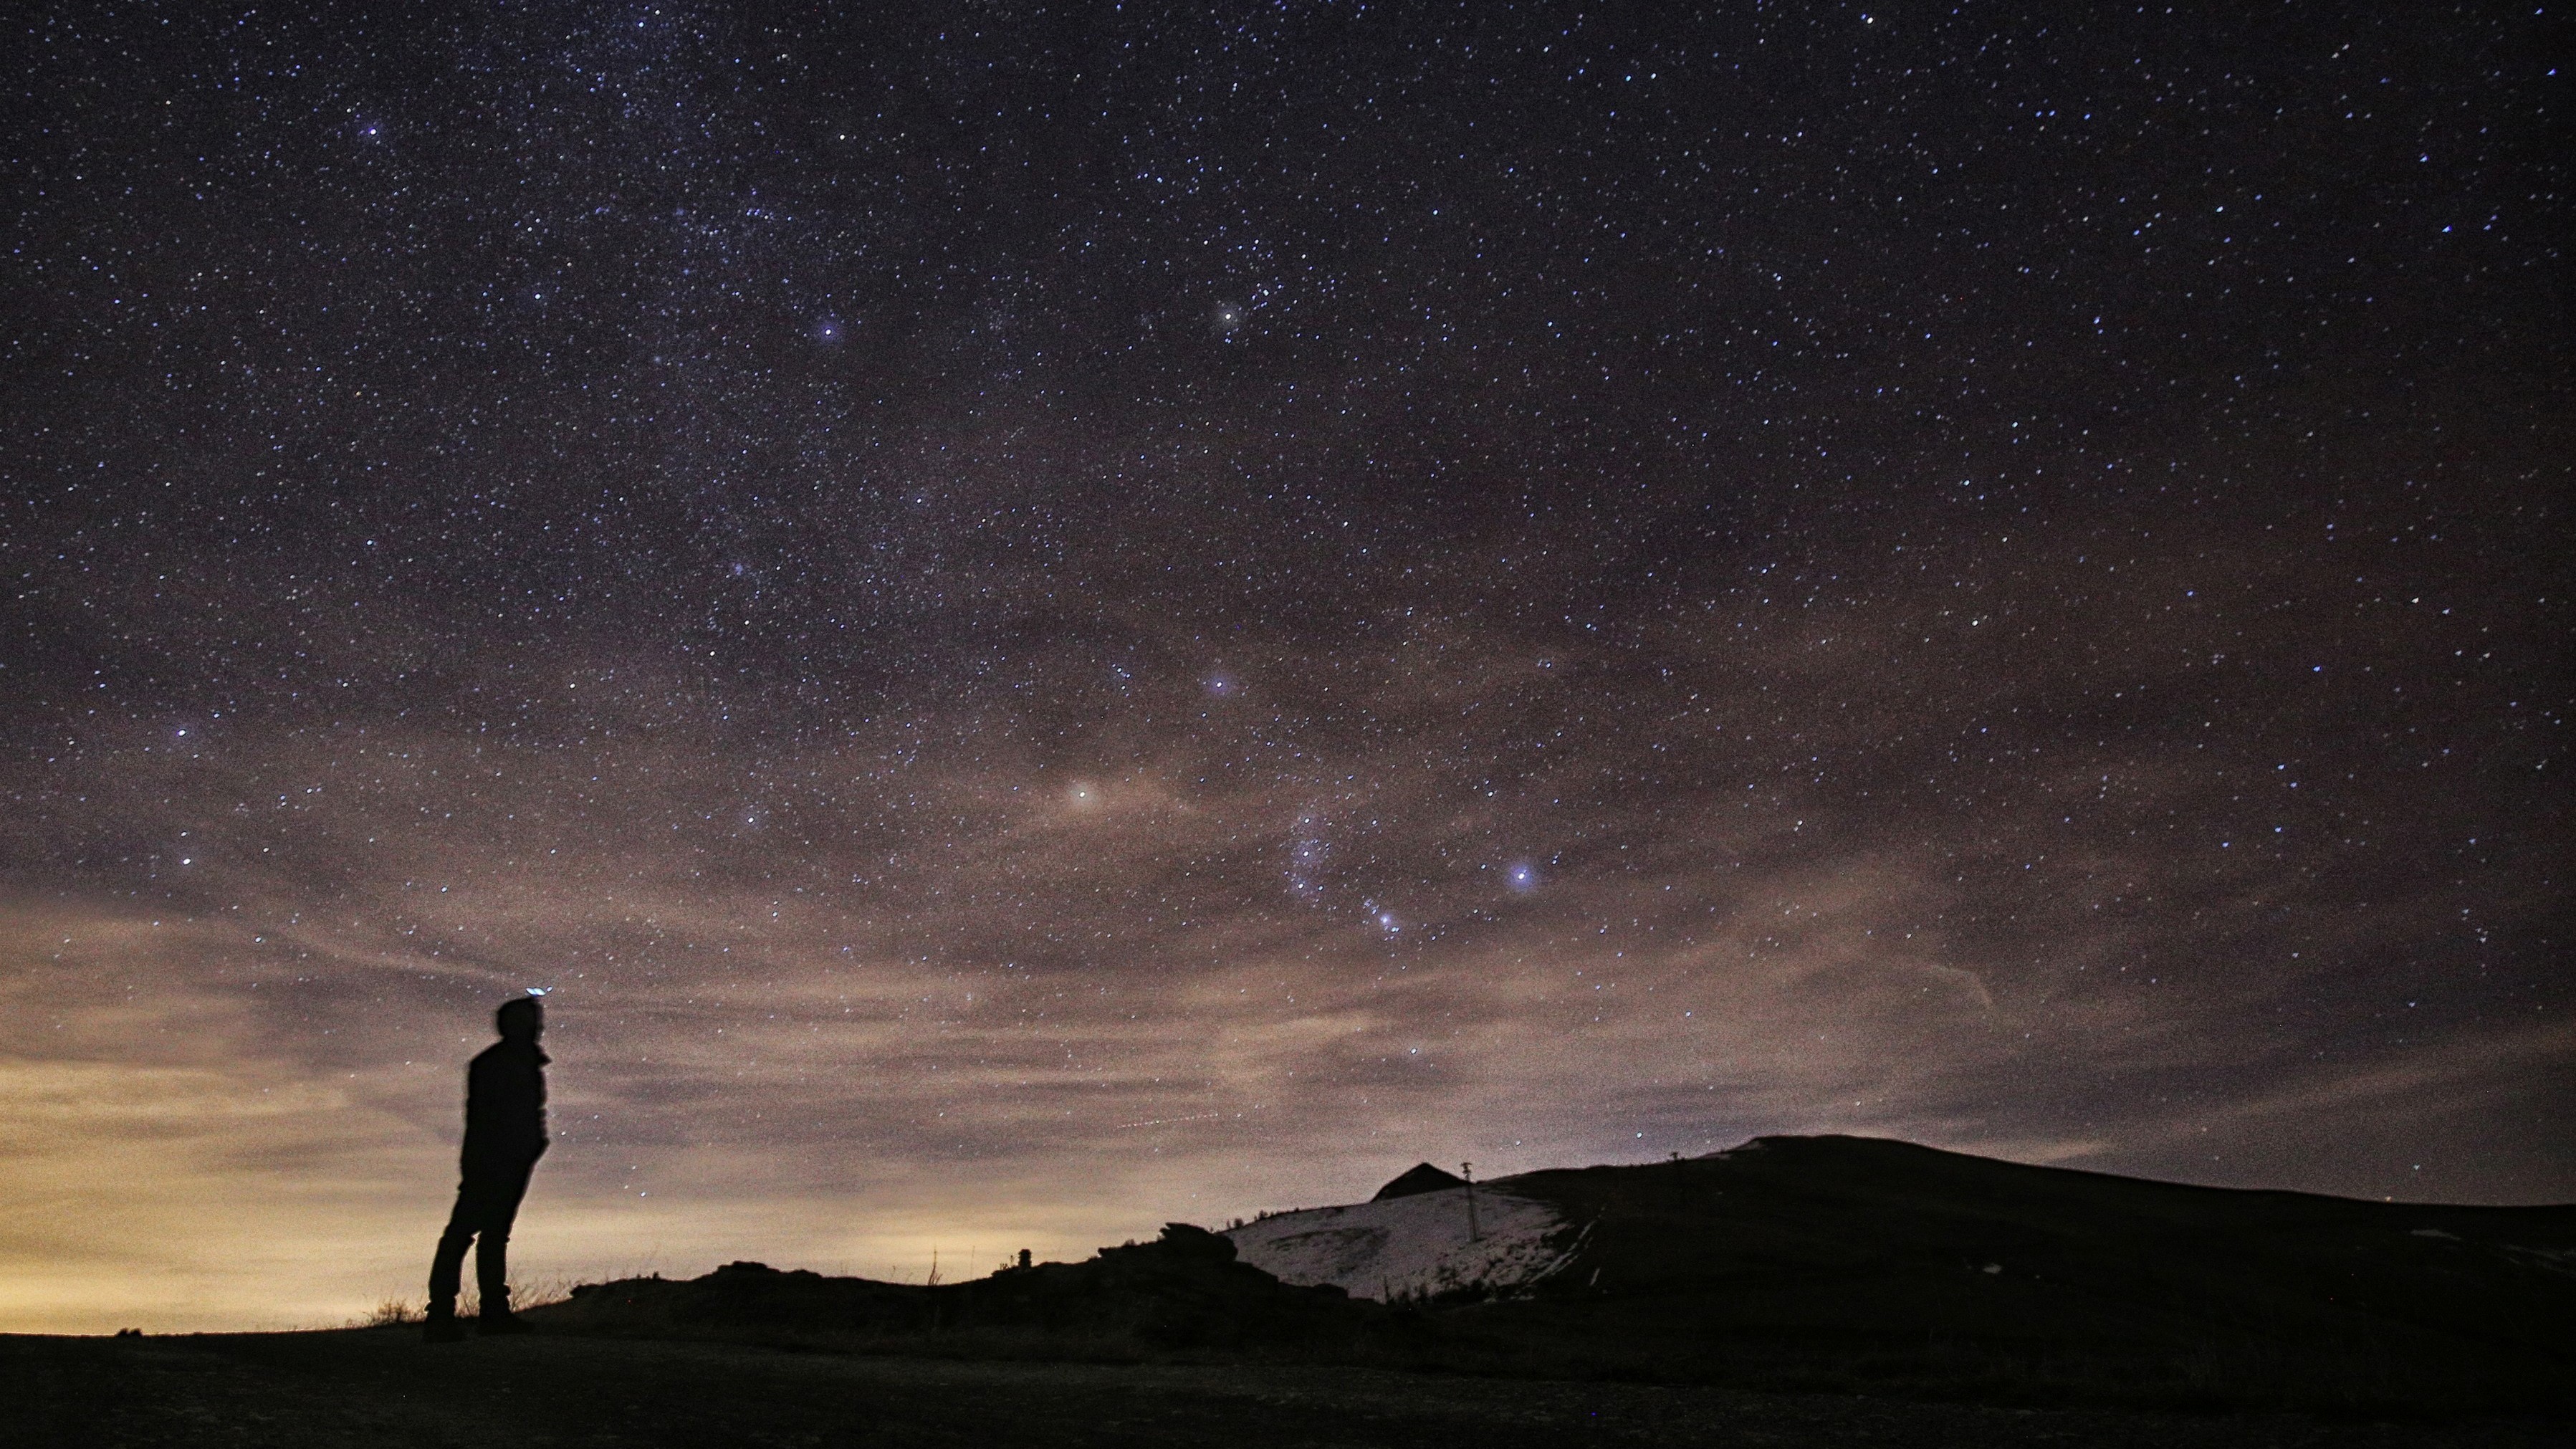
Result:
x=505 y=1134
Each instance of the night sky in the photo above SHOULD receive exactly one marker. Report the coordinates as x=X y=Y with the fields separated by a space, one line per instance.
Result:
x=1041 y=619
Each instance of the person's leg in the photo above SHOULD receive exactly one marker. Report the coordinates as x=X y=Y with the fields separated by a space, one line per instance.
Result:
x=500 y=1208
x=492 y=1270
x=447 y=1265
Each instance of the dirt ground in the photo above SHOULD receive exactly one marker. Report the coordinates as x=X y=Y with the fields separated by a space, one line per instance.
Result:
x=384 y=1387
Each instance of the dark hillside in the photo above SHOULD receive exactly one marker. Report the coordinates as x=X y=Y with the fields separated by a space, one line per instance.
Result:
x=1182 y=1292
x=1825 y=1263
x=1841 y=1260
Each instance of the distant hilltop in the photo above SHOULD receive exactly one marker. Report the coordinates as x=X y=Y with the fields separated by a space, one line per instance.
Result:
x=1810 y=1199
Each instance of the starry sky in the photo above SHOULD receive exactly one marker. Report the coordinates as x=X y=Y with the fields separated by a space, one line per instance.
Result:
x=1043 y=618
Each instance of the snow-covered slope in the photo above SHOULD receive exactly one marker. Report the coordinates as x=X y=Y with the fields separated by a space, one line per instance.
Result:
x=1409 y=1245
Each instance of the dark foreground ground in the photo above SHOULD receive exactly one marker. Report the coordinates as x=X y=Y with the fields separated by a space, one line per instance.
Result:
x=383 y=1387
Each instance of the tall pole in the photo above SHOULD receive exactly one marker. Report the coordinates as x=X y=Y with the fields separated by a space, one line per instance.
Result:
x=1468 y=1170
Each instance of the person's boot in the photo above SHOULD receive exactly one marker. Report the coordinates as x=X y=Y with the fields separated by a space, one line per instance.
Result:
x=497 y=1319
x=440 y=1326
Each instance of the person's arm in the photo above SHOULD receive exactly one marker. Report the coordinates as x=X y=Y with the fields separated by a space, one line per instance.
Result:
x=538 y=1138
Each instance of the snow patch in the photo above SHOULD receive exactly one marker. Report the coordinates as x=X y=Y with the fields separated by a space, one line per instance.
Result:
x=1410 y=1246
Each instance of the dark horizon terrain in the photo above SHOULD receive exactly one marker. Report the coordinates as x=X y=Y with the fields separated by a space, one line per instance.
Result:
x=1815 y=1263
x=1791 y=1290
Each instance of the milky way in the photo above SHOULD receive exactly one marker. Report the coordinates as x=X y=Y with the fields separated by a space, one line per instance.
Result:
x=1041 y=620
